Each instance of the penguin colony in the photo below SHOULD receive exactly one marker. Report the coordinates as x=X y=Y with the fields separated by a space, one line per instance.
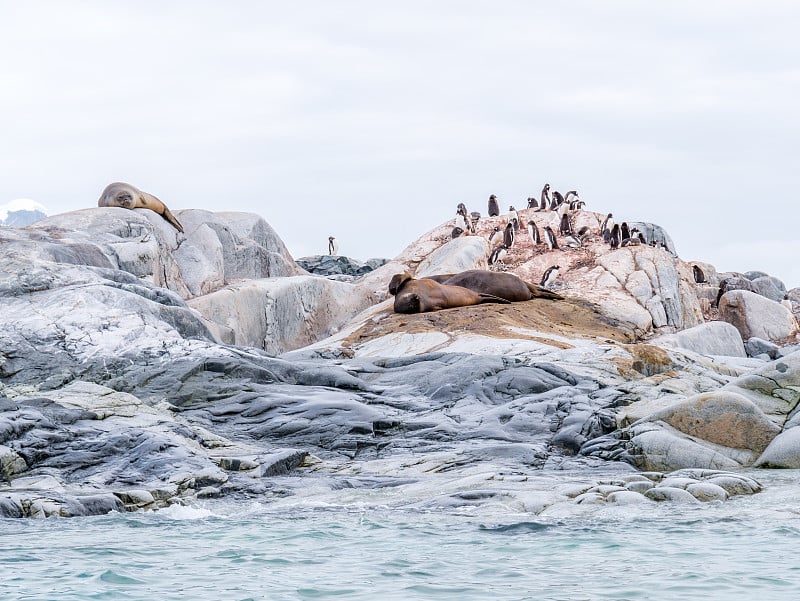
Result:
x=519 y=233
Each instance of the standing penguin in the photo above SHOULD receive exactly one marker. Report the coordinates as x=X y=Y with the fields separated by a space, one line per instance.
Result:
x=572 y=193
x=461 y=221
x=533 y=232
x=333 y=246
x=461 y=209
x=495 y=237
x=513 y=217
x=508 y=235
x=608 y=223
x=498 y=254
x=474 y=218
x=699 y=276
x=615 y=239
x=624 y=232
x=549 y=276
x=557 y=198
x=565 y=227
x=532 y=204
x=545 y=197
x=494 y=208
x=550 y=238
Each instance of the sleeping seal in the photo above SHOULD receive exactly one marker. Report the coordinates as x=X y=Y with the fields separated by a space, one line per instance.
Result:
x=120 y=194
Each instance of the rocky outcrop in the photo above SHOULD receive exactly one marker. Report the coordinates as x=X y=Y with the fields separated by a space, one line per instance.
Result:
x=711 y=338
x=749 y=421
x=282 y=314
x=756 y=316
x=333 y=265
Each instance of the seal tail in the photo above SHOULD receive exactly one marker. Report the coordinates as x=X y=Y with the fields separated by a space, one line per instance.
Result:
x=489 y=298
x=539 y=292
x=172 y=220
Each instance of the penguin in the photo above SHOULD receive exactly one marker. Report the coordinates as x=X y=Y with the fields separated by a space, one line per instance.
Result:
x=562 y=209
x=565 y=227
x=513 y=217
x=532 y=204
x=550 y=238
x=572 y=241
x=508 y=235
x=549 y=276
x=496 y=236
x=494 y=208
x=457 y=231
x=570 y=194
x=615 y=239
x=474 y=218
x=641 y=237
x=624 y=232
x=576 y=205
x=608 y=223
x=333 y=246
x=558 y=198
x=584 y=231
x=630 y=242
x=498 y=254
x=545 y=197
x=533 y=232
x=461 y=222
x=699 y=276
x=462 y=210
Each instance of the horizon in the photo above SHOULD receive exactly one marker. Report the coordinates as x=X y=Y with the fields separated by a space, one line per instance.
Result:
x=366 y=121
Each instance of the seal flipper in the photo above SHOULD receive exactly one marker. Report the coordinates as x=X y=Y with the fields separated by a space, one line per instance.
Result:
x=539 y=292
x=490 y=298
x=172 y=220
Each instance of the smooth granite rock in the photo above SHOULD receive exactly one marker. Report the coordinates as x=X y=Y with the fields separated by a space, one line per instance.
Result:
x=711 y=338
x=756 y=316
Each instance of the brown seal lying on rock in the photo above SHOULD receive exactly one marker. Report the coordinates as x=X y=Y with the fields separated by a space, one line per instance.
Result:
x=503 y=285
x=420 y=296
x=120 y=194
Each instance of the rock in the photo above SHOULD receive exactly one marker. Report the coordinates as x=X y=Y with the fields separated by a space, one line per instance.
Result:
x=326 y=265
x=769 y=287
x=282 y=314
x=710 y=338
x=461 y=254
x=755 y=316
x=757 y=346
x=726 y=419
x=659 y=284
x=707 y=491
x=654 y=233
x=667 y=493
x=730 y=282
x=783 y=451
x=772 y=388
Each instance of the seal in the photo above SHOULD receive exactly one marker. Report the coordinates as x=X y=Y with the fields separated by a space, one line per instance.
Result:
x=502 y=285
x=421 y=296
x=120 y=194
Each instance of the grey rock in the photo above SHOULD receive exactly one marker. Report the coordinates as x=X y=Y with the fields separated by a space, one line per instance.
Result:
x=757 y=346
x=327 y=265
x=769 y=287
x=710 y=338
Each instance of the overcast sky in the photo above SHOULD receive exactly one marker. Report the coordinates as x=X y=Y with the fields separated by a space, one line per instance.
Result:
x=372 y=120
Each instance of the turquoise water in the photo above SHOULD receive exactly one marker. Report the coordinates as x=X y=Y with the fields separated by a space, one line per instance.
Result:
x=745 y=548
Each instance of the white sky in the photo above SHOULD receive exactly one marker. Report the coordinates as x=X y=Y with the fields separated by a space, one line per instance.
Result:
x=372 y=120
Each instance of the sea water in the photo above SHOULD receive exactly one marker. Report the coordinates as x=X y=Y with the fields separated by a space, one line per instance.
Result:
x=745 y=548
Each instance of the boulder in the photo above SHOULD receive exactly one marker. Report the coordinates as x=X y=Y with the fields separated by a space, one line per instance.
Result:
x=758 y=346
x=756 y=316
x=710 y=338
x=783 y=451
x=461 y=254
x=282 y=314
x=659 y=283
x=769 y=287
